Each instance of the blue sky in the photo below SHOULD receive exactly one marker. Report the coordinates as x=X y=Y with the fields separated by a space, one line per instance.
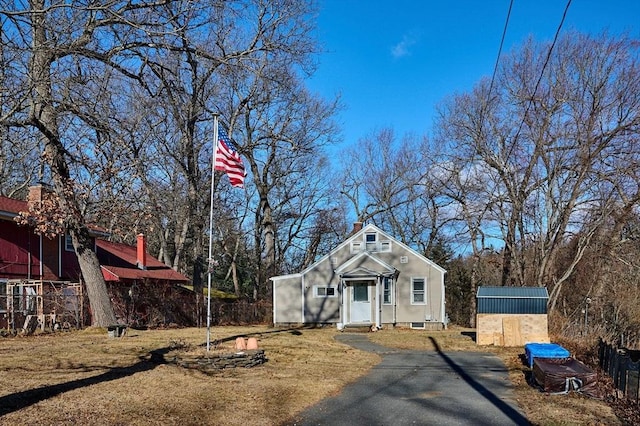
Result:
x=394 y=61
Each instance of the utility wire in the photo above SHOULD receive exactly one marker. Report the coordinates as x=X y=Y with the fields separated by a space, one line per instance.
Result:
x=504 y=33
x=544 y=67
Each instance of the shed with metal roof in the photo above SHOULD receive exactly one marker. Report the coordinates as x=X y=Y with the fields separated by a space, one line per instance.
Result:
x=511 y=316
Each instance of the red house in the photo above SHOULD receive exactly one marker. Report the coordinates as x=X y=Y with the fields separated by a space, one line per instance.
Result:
x=41 y=282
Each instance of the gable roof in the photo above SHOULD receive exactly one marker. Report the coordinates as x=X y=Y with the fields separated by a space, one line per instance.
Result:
x=513 y=292
x=385 y=270
x=512 y=300
x=372 y=228
x=118 y=261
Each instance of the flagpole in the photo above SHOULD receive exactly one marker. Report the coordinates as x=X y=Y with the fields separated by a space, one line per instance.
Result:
x=210 y=260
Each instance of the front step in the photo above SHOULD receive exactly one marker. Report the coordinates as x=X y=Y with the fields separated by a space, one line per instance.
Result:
x=358 y=328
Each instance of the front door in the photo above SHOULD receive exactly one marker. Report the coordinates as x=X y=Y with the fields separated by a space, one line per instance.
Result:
x=360 y=302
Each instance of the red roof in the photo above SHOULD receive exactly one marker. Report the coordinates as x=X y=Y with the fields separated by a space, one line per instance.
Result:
x=11 y=206
x=119 y=261
x=115 y=273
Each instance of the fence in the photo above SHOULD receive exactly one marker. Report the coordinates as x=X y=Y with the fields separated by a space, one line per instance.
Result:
x=622 y=365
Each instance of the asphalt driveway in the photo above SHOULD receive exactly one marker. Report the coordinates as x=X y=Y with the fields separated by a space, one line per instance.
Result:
x=421 y=388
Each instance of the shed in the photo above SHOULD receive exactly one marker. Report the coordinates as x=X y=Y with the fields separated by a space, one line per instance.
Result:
x=512 y=316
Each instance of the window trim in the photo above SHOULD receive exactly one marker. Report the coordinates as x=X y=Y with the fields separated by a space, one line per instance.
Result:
x=415 y=280
x=3 y=295
x=68 y=243
x=371 y=241
x=356 y=247
x=385 y=246
x=387 y=290
x=325 y=288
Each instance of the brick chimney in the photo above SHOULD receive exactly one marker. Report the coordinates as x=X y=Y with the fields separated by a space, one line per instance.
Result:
x=36 y=194
x=357 y=226
x=141 y=261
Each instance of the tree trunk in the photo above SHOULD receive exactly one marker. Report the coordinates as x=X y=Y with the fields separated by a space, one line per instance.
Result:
x=102 y=314
x=44 y=118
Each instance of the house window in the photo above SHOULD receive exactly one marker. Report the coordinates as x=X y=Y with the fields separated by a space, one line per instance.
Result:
x=370 y=239
x=385 y=246
x=360 y=292
x=418 y=295
x=68 y=244
x=322 y=291
x=3 y=294
x=387 y=292
x=356 y=247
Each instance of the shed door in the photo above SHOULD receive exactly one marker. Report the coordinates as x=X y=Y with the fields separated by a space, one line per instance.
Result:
x=360 y=302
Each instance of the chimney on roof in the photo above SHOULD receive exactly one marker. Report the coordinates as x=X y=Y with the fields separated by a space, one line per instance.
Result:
x=141 y=261
x=36 y=194
x=357 y=226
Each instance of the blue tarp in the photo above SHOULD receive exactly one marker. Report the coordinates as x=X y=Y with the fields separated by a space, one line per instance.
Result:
x=544 y=350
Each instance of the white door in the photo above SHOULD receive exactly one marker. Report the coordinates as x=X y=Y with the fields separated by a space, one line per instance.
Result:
x=360 y=302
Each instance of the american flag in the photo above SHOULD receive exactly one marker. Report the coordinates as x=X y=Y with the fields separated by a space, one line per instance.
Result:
x=228 y=160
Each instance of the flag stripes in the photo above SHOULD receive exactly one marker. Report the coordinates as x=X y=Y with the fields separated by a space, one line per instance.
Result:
x=228 y=160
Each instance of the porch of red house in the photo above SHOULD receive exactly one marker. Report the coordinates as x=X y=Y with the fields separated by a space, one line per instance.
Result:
x=43 y=304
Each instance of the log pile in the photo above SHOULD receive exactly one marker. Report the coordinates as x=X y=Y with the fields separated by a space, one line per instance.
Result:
x=214 y=362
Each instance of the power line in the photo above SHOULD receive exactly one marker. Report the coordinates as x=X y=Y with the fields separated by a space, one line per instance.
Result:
x=544 y=67
x=504 y=33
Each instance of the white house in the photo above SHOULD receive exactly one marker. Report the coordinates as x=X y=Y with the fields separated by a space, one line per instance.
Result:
x=371 y=279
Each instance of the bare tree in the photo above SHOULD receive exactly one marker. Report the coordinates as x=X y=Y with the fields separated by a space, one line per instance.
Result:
x=393 y=184
x=289 y=169
x=552 y=138
x=62 y=51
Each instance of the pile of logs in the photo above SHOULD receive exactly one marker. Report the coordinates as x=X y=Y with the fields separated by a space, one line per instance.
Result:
x=246 y=359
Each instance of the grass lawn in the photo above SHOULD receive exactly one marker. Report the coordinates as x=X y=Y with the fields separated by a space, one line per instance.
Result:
x=85 y=377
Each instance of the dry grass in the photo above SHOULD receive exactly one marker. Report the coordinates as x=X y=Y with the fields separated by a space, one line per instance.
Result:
x=86 y=378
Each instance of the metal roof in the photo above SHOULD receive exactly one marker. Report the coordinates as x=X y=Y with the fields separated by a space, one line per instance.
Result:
x=512 y=300
x=513 y=292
